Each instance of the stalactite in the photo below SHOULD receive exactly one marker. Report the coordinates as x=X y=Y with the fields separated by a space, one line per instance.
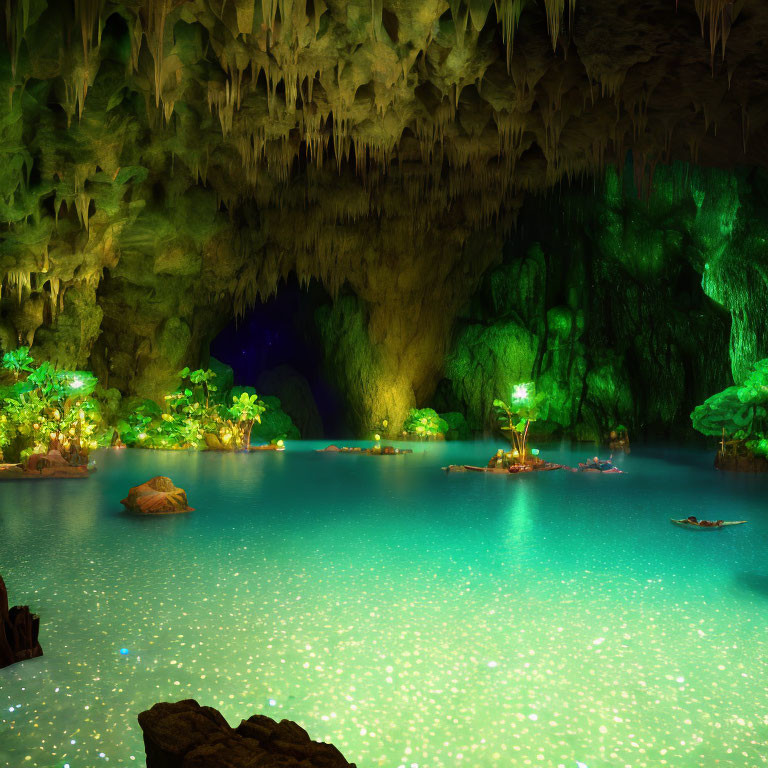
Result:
x=88 y=14
x=716 y=17
x=508 y=12
x=16 y=24
x=156 y=14
x=18 y=281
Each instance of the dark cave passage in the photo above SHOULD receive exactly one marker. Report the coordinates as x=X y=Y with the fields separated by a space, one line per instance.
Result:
x=277 y=349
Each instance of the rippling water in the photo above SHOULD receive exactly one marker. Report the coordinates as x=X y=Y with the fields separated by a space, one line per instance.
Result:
x=411 y=617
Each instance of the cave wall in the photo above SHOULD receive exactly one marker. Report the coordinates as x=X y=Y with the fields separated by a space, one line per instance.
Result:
x=166 y=164
x=625 y=308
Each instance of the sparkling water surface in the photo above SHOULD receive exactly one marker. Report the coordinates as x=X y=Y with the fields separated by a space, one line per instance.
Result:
x=412 y=618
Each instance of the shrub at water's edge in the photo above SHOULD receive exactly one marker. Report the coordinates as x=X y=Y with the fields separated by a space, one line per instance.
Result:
x=198 y=416
x=43 y=407
x=739 y=417
x=424 y=423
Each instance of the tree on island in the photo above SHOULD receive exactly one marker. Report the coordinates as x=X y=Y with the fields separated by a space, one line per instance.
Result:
x=738 y=413
x=245 y=411
x=515 y=419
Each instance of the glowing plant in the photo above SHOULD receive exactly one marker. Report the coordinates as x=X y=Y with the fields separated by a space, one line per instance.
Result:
x=424 y=422
x=201 y=378
x=189 y=415
x=47 y=408
x=515 y=419
x=136 y=427
x=193 y=418
x=18 y=360
x=739 y=413
x=520 y=393
x=245 y=411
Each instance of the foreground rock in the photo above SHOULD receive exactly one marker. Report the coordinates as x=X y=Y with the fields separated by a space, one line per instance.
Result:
x=185 y=735
x=158 y=496
x=18 y=631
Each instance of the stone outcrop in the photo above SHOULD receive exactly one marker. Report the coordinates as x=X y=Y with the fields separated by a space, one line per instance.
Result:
x=19 y=630
x=158 y=496
x=39 y=466
x=185 y=735
x=741 y=462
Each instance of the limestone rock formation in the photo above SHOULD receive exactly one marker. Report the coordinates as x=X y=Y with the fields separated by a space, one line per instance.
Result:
x=185 y=735
x=158 y=496
x=18 y=631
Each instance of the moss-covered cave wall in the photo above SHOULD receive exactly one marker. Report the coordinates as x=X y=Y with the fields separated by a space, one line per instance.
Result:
x=166 y=163
x=625 y=309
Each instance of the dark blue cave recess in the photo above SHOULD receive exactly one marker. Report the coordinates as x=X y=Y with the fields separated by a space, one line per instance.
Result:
x=283 y=331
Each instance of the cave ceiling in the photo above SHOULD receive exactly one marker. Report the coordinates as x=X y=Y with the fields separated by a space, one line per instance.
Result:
x=484 y=99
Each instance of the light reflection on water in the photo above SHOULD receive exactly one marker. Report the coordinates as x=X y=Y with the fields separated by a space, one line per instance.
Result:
x=409 y=616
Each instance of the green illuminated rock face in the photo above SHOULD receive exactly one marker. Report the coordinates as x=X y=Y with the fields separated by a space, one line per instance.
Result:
x=164 y=164
x=626 y=310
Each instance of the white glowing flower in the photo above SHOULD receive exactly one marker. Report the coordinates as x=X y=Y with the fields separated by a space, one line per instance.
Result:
x=520 y=392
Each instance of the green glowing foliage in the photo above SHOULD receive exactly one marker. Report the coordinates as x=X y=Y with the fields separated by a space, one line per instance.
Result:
x=275 y=423
x=201 y=380
x=245 y=411
x=135 y=427
x=188 y=417
x=17 y=361
x=424 y=422
x=47 y=407
x=456 y=426
x=526 y=405
x=740 y=412
x=192 y=418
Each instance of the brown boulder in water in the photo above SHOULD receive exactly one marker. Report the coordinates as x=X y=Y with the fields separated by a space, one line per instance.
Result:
x=185 y=735
x=158 y=496
x=18 y=632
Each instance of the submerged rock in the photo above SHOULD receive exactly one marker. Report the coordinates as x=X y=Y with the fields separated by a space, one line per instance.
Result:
x=158 y=496
x=183 y=734
x=18 y=631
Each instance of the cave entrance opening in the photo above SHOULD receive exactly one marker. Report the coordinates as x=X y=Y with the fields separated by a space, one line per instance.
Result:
x=277 y=349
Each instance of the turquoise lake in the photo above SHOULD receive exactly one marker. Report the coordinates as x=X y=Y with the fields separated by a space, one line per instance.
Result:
x=411 y=617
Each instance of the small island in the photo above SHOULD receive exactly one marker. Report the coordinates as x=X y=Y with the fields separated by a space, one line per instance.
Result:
x=515 y=421
x=376 y=450
x=739 y=417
